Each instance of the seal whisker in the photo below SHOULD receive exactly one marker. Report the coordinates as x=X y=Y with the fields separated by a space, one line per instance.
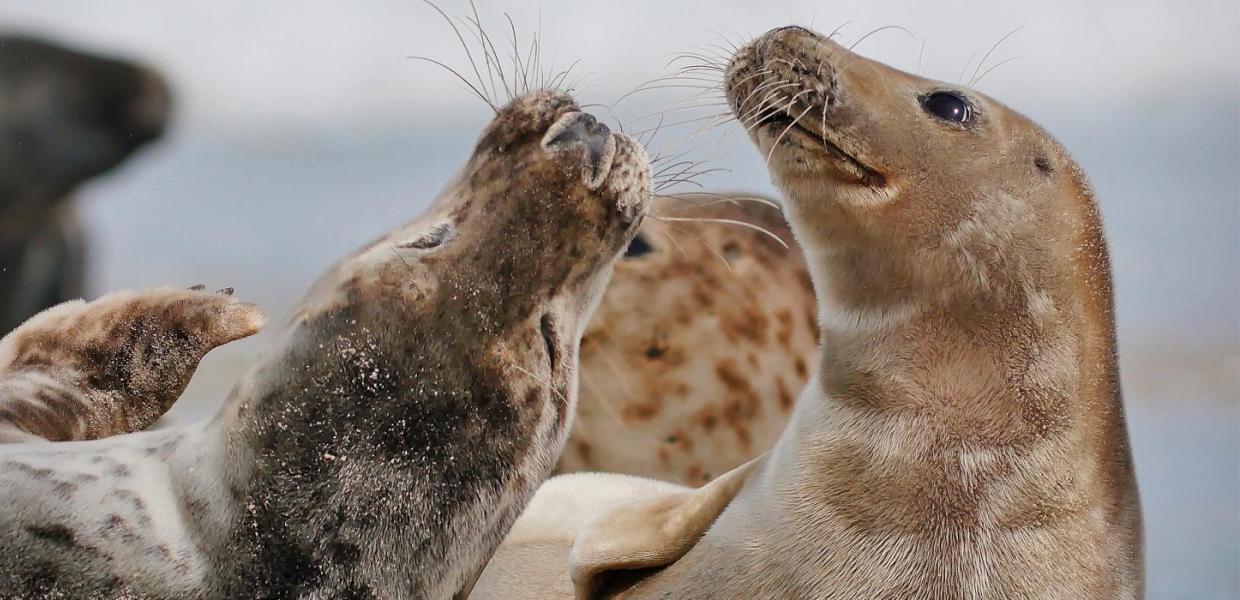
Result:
x=1005 y=61
x=518 y=66
x=837 y=30
x=965 y=68
x=745 y=224
x=687 y=121
x=672 y=182
x=530 y=57
x=794 y=123
x=558 y=80
x=921 y=54
x=489 y=49
x=675 y=108
x=717 y=199
x=699 y=239
x=766 y=107
x=982 y=63
x=468 y=54
x=689 y=174
x=686 y=174
x=883 y=28
x=619 y=373
x=773 y=109
x=778 y=84
x=705 y=62
x=469 y=85
x=700 y=131
x=604 y=400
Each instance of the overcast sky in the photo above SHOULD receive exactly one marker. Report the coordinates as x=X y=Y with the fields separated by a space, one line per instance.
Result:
x=246 y=66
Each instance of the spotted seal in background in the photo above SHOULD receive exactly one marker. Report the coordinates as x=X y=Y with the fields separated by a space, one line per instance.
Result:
x=704 y=338
x=405 y=416
x=66 y=116
x=963 y=433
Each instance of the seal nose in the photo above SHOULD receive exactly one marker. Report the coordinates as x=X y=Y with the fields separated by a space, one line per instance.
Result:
x=579 y=127
x=582 y=129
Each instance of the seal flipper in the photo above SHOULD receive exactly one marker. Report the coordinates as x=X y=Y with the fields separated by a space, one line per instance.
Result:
x=650 y=533
x=80 y=371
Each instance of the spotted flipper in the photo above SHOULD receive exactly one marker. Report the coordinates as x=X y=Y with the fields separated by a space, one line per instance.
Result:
x=81 y=371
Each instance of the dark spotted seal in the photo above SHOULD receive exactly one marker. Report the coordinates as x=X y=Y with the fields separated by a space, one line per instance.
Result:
x=704 y=338
x=963 y=435
x=400 y=424
x=65 y=116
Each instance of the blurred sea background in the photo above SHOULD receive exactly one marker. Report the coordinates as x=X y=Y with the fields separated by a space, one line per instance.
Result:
x=303 y=129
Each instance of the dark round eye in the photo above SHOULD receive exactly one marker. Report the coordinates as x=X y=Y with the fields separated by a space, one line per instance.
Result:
x=638 y=247
x=948 y=106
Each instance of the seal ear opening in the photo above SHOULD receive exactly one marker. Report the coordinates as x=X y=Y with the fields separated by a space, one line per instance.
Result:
x=650 y=533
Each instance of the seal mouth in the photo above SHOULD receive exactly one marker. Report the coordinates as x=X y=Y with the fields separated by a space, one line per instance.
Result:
x=772 y=92
x=780 y=124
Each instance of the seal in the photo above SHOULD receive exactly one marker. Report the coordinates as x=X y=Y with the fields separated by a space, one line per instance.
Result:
x=701 y=343
x=963 y=433
x=84 y=371
x=66 y=116
x=384 y=445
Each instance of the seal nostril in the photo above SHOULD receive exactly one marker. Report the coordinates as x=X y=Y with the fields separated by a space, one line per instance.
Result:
x=576 y=127
x=595 y=138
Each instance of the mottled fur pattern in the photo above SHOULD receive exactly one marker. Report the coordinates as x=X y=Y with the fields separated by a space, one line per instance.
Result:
x=387 y=442
x=65 y=116
x=84 y=371
x=701 y=343
x=963 y=434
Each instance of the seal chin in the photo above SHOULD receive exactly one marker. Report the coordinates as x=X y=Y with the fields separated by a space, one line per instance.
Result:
x=579 y=130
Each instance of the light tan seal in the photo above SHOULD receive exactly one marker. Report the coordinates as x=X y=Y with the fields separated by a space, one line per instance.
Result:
x=402 y=420
x=700 y=345
x=963 y=435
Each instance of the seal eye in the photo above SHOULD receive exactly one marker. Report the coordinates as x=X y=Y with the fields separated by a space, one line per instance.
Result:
x=949 y=106
x=638 y=247
x=435 y=237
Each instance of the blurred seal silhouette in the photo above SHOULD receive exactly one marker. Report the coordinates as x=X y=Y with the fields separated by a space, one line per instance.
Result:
x=963 y=434
x=65 y=116
x=401 y=422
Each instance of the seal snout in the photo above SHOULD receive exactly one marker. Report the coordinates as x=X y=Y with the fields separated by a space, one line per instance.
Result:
x=580 y=129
